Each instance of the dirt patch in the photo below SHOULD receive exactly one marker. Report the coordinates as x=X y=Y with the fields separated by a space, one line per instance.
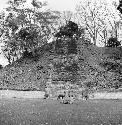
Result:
x=40 y=94
x=21 y=94
x=106 y=95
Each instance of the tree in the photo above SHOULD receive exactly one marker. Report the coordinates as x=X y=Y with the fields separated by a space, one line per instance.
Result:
x=65 y=17
x=69 y=30
x=111 y=25
x=114 y=18
x=67 y=38
x=92 y=15
x=27 y=28
x=29 y=38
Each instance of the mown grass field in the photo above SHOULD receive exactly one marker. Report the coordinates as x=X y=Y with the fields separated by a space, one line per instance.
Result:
x=51 y=112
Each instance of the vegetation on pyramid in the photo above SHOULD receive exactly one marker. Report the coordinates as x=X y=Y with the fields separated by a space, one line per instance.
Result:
x=35 y=64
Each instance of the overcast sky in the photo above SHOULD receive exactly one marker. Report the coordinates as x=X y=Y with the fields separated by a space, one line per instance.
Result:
x=57 y=4
x=53 y=4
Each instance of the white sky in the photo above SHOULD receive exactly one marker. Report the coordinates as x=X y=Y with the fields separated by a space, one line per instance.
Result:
x=53 y=4
x=57 y=4
x=63 y=4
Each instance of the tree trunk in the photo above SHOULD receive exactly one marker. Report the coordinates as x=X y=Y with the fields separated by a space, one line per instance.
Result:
x=94 y=40
x=105 y=36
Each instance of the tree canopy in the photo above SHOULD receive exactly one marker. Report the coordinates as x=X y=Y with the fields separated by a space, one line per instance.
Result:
x=26 y=28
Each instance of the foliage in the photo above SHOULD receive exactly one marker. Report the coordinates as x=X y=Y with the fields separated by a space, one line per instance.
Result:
x=26 y=27
x=113 y=42
x=92 y=15
x=68 y=30
x=66 y=42
x=65 y=68
x=29 y=38
x=26 y=74
x=119 y=6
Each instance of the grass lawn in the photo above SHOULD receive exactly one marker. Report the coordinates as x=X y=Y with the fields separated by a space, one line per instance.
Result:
x=51 y=112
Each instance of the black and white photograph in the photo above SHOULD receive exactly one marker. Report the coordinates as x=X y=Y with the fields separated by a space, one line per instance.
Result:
x=60 y=62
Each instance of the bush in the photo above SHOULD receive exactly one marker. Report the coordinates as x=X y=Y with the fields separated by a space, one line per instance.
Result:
x=113 y=42
x=68 y=30
x=111 y=66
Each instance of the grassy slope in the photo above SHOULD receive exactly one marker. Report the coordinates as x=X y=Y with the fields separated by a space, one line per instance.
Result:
x=25 y=74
